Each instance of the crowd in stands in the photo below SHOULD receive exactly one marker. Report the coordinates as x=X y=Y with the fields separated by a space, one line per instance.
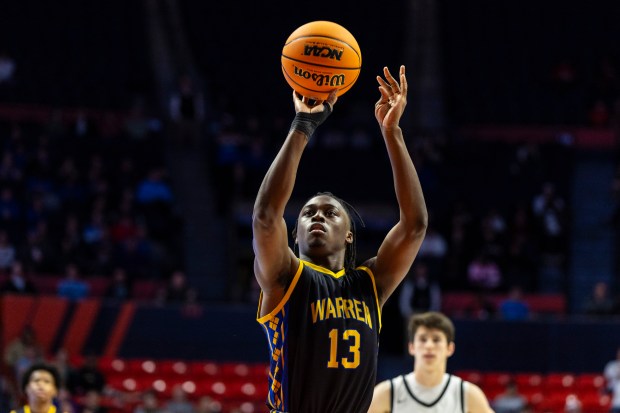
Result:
x=80 y=199
x=85 y=385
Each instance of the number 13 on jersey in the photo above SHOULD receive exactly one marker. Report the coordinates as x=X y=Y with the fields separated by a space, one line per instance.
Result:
x=349 y=337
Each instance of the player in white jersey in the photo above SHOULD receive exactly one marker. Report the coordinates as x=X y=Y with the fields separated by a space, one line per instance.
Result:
x=429 y=389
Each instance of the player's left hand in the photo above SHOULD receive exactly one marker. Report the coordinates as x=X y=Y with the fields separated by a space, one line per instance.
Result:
x=391 y=105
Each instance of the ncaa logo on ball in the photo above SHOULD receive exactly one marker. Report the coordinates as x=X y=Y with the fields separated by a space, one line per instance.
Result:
x=323 y=51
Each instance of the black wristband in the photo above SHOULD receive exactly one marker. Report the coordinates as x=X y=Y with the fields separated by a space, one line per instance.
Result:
x=308 y=122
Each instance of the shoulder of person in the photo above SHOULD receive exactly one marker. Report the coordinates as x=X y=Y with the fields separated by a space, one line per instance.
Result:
x=477 y=401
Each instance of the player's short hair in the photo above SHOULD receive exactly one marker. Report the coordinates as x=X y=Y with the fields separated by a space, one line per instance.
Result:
x=40 y=367
x=431 y=320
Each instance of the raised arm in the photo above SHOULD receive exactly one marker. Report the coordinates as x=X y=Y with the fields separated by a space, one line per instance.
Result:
x=401 y=245
x=274 y=261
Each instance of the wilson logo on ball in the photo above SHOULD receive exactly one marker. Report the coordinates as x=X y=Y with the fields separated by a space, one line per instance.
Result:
x=323 y=51
x=320 y=57
x=321 y=80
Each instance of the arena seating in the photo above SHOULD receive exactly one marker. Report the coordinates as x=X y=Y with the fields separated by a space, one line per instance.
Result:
x=236 y=384
x=546 y=392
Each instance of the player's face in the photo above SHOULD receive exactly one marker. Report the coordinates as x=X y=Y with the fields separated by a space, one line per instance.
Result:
x=430 y=347
x=323 y=226
x=41 y=386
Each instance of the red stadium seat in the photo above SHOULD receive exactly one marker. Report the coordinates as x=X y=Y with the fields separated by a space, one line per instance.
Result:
x=145 y=367
x=552 y=403
x=174 y=368
x=595 y=403
x=259 y=371
x=590 y=381
x=495 y=379
x=559 y=382
x=204 y=369
x=127 y=383
x=234 y=370
x=473 y=376
x=527 y=381
x=111 y=366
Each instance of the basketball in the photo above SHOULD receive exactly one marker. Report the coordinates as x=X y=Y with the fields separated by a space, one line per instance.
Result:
x=321 y=56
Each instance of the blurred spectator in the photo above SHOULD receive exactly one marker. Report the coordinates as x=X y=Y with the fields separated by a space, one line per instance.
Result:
x=88 y=377
x=179 y=402
x=29 y=357
x=459 y=247
x=135 y=256
x=514 y=307
x=433 y=251
x=178 y=288
x=7 y=68
x=419 y=293
x=565 y=80
x=599 y=114
x=150 y=403
x=65 y=369
x=481 y=308
x=483 y=273
x=7 y=394
x=72 y=286
x=549 y=210
x=522 y=253
x=154 y=189
x=600 y=302
x=65 y=401
x=572 y=404
x=21 y=345
x=187 y=112
x=137 y=124
x=509 y=401
x=38 y=252
x=615 y=194
x=207 y=404
x=71 y=245
x=612 y=378
x=7 y=251
x=18 y=283
x=120 y=286
x=192 y=308
x=91 y=403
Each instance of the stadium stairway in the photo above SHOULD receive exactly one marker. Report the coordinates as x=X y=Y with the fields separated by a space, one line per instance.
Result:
x=591 y=206
x=205 y=238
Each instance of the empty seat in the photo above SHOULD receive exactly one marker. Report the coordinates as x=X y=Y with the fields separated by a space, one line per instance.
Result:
x=528 y=380
x=473 y=376
x=559 y=381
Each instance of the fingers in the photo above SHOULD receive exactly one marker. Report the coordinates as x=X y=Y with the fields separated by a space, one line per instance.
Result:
x=311 y=105
x=390 y=84
x=332 y=98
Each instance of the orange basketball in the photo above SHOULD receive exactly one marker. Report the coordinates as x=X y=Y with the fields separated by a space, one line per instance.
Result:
x=319 y=57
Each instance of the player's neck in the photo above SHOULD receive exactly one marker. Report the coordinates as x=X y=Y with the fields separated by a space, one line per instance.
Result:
x=40 y=407
x=429 y=377
x=333 y=263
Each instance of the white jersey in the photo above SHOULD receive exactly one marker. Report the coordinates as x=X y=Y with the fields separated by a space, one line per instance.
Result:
x=409 y=396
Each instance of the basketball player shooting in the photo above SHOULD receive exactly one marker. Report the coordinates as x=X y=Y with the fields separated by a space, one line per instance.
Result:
x=321 y=312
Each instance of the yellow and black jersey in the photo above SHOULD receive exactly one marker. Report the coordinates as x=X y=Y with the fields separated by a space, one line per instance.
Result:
x=324 y=339
x=26 y=409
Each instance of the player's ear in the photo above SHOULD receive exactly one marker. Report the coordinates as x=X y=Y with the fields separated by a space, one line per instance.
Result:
x=349 y=238
x=451 y=348
x=411 y=348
